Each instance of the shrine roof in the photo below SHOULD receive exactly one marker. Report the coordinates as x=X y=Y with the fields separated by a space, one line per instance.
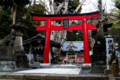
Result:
x=39 y=39
x=75 y=46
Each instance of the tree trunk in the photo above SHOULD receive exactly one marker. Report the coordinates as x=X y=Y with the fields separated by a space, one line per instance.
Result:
x=14 y=15
x=91 y=39
x=100 y=17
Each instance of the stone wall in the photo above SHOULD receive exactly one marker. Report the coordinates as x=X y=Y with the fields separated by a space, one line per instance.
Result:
x=14 y=76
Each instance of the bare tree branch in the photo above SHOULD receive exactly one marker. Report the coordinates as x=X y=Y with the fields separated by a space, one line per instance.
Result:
x=66 y=6
x=78 y=6
x=54 y=6
x=51 y=7
x=115 y=15
x=43 y=4
x=59 y=7
x=77 y=9
x=111 y=18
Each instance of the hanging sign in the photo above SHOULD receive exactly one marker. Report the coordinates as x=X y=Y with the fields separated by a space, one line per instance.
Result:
x=66 y=23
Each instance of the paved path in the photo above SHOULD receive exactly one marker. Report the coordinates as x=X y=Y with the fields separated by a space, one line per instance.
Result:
x=52 y=71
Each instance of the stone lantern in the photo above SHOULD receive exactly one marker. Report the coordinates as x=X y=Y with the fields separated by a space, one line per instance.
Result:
x=21 y=58
x=18 y=43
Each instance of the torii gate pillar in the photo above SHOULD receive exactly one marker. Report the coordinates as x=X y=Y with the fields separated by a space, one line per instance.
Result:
x=86 y=43
x=47 y=42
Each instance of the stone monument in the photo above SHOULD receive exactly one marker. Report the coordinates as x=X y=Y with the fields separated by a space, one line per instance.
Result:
x=21 y=58
x=98 y=58
x=7 y=57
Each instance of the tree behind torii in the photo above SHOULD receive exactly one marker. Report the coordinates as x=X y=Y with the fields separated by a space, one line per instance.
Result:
x=63 y=7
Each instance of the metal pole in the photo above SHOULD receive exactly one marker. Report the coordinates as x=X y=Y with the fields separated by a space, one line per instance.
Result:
x=47 y=42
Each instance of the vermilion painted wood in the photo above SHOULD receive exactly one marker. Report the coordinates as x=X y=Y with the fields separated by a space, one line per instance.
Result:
x=86 y=43
x=72 y=27
x=50 y=27
x=44 y=18
x=47 y=42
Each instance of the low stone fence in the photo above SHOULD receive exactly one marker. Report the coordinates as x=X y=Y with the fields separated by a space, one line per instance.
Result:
x=13 y=76
x=117 y=78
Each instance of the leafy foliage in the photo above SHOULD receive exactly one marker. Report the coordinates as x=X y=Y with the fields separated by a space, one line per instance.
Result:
x=117 y=3
x=23 y=15
x=28 y=21
x=6 y=16
x=115 y=30
x=74 y=36
x=14 y=3
x=5 y=21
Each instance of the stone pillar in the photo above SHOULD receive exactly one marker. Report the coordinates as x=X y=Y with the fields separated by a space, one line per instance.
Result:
x=18 y=42
x=30 y=52
x=50 y=56
x=119 y=54
x=66 y=56
x=76 y=58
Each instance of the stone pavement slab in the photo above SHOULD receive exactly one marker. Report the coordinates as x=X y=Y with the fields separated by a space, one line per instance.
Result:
x=52 y=71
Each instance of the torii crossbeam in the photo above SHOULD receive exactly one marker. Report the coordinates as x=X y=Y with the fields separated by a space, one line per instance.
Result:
x=48 y=27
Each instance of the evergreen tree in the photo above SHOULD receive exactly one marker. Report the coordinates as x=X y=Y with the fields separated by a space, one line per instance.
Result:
x=115 y=30
x=14 y=5
x=8 y=11
x=117 y=3
x=28 y=21
x=74 y=36
x=5 y=21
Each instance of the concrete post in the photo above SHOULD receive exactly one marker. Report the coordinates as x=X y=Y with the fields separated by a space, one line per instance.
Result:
x=66 y=56
x=76 y=58
x=30 y=52
x=50 y=56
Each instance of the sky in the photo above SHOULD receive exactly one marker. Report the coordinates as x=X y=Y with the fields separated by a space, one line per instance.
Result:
x=92 y=5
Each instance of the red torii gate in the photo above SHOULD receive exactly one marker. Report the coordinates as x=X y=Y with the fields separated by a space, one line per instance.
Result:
x=48 y=27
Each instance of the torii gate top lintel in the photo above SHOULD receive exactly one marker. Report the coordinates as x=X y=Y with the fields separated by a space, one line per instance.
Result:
x=70 y=16
x=48 y=27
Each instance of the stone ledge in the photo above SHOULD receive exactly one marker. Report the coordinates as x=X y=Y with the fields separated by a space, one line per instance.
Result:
x=89 y=77
x=35 y=76
x=111 y=77
x=15 y=76
x=3 y=75
x=107 y=71
x=117 y=78
x=57 y=77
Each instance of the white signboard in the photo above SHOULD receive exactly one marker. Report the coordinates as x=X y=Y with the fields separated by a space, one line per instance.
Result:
x=109 y=41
